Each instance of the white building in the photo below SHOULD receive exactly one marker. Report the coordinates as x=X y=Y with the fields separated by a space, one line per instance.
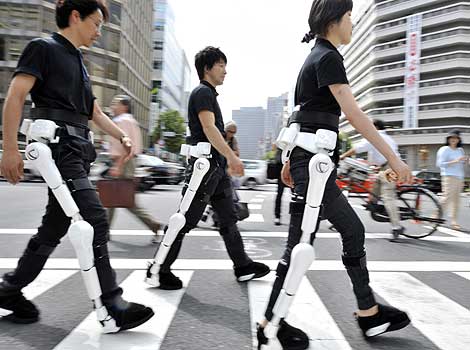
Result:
x=376 y=63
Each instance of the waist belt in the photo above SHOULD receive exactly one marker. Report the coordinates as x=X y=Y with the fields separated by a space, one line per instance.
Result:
x=70 y=130
x=202 y=149
x=314 y=119
x=322 y=141
x=60 y=115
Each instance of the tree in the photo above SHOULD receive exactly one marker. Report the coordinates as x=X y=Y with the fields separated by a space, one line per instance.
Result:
x=170 y=122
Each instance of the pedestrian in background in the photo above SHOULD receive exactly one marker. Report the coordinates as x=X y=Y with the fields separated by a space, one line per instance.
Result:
x=121 y=110
x=451 y=160
x=280 y=188
x=230 y=131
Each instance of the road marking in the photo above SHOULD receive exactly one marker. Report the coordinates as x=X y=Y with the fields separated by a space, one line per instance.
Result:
x=222 y=264
x=46 y=280
x=307 y=312
x=255 y=218
x=453 y=232
x=463 y=274
x=465 y=238
x=260 y=196
x=150 y=335
x=256 y=200
x=440 y=319
x=254 y=206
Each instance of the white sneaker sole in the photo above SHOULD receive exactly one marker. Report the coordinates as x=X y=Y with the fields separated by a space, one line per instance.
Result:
x=372 y=332
x=246 y=277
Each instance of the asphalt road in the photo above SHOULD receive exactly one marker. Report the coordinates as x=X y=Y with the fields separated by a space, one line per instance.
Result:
x=428 y=278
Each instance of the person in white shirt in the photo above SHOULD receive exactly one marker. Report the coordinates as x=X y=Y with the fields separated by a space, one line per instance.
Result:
x=387 y=189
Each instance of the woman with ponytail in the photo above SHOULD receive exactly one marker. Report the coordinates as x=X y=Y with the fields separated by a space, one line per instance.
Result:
x=322 y=92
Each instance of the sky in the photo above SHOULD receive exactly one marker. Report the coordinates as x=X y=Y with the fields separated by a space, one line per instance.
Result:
x=261 y=39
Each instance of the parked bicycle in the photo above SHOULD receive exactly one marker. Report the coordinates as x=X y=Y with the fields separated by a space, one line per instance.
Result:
x=420 y=211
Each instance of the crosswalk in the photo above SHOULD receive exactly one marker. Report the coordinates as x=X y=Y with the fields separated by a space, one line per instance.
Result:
x=438 y=320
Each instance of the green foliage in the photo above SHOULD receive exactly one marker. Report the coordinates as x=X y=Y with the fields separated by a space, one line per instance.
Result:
x=172 y=122
x=270 y=155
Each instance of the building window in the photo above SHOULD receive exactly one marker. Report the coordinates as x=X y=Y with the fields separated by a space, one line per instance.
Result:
x=16 y=16
x=2 y=49
x=158 y=45
x=115 y=11
x=157 y=64
x=5 y=77
x=15 y=47
x=48 y=22
x=109 y=40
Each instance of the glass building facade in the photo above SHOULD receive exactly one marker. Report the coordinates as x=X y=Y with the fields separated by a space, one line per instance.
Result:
x=119 y=62
x=171 y=70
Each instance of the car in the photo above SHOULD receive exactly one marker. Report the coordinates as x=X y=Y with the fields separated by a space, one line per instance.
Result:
x=429 y=179
x=255 y=173
x=159 y=171
x=30 y=173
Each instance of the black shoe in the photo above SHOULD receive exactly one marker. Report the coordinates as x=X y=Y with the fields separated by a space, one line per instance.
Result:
x=396 y=233
x=250 y=271
x=168 y=281
x=388 y=319
x=23 y=310
x=277 y=221
x=291 y=338
x=130 y=315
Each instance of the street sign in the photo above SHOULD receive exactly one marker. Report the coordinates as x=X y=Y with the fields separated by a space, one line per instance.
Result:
x=169 y=134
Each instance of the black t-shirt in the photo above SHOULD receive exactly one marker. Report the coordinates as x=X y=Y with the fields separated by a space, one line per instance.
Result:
x=323 y=66
x=204 y=98
x=62 y=80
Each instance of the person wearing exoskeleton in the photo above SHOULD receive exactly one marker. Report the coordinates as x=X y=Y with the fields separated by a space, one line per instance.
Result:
x=310 y=151
x=61 y=149
x=207 y=180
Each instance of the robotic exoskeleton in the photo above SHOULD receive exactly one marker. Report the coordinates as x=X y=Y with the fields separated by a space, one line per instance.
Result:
x=201 y=166
x=321 y=144
x=80 y=232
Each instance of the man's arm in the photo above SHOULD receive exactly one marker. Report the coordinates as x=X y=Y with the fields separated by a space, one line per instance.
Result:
x=12 y=164
x=349 y=153
x=216 y=139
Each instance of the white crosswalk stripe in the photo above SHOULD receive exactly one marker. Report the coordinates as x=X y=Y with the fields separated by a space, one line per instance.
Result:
x=438 y=318
x=46 y=280
x=307 y=312
x=449 y=235
x=150 y=335
x=443 y=321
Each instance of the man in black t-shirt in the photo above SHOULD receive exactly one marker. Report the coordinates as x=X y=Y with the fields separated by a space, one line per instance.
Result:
x=206 y=125
x=52 y=71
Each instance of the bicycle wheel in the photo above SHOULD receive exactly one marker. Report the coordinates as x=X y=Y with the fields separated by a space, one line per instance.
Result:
x=420 y=211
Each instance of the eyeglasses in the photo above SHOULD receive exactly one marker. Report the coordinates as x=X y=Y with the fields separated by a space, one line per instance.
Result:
x=231 y=131
x=98 y=24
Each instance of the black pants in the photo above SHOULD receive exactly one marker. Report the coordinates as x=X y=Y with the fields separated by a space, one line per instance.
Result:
x=216 y=188
x=72 y=156
x=280 y=191
x=339 y=212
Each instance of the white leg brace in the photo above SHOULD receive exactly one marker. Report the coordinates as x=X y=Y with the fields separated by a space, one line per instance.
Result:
x=319 y=169
x=178 y=220
x=80 y=232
